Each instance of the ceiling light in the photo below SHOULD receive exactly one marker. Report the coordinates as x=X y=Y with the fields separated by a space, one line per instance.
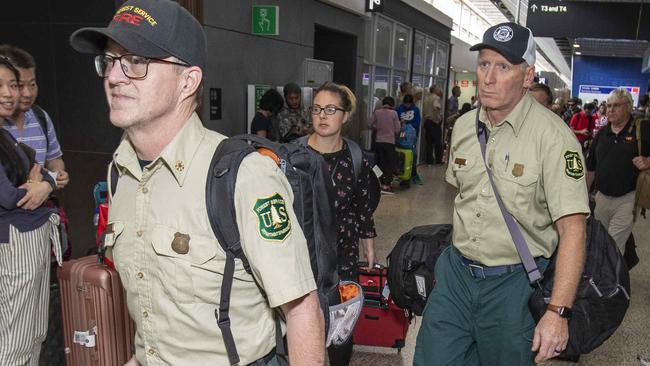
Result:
x=578 y=53
x=400 y=39
x=575 y=45
x=465 y=71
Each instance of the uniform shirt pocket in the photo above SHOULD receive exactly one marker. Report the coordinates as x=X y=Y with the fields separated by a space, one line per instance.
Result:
x=518 y=192
x=184 y=264
x=465 y=170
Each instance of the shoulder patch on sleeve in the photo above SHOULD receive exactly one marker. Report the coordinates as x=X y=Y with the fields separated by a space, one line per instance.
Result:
x=573 y=165
x=273 y=219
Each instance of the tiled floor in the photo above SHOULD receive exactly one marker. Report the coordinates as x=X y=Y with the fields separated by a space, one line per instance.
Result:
x=432 y=203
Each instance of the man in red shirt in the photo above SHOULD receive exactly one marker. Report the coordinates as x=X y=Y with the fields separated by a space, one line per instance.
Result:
x=582 y=124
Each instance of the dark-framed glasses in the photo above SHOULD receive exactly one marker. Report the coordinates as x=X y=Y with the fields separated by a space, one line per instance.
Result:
x=329 y=109
x=133 y=66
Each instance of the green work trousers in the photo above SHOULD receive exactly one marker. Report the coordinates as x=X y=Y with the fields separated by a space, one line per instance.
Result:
x=476 y=321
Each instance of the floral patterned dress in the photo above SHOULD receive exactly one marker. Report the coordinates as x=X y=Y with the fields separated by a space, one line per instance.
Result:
x=353 y=209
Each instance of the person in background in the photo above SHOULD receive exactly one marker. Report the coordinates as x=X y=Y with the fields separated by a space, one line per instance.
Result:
x=542 y=93
x=28 y=234
x=405 y=88
x=433 y=125
x=573 y=107
x=613 y=165
x=409 y=113
x=332 y=107
x=292 y=119
x=582 y=124
x=24 y=124
x=262 y=125
x=601 y=118
x=644 y=105
x=385 y=124
x=452 y=103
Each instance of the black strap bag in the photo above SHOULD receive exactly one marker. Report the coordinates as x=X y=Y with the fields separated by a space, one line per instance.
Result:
x=603 y=293
x=411 y=265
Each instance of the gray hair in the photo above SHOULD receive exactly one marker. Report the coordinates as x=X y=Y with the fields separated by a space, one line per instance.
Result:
x=620 y=93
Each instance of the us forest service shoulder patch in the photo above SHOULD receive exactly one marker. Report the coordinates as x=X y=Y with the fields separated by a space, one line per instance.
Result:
x=573 y=165
x=272 y=218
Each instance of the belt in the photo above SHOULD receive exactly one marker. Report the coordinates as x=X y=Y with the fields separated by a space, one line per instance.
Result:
x=264 y=360
x=478 y=270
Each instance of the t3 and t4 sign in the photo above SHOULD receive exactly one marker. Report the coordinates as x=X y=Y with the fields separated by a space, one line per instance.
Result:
x=579 y=19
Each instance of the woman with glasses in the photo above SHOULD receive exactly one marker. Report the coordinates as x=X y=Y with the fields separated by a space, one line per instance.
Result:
x=27 y=229
x=332 y=107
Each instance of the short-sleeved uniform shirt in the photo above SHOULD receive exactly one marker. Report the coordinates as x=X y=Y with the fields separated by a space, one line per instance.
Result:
x=611 y=154
x=538 y=170
x=172 y=296
x=33 y=136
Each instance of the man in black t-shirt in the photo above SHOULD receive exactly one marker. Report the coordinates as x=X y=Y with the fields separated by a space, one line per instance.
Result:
x=262 y=124
x=614 y=162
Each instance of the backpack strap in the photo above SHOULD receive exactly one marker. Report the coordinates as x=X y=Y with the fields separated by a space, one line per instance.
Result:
x=357 y=157
x=220 y=189
x=220 y=192
x=42 y=120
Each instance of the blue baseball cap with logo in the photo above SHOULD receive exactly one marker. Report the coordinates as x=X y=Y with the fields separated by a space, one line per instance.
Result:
x=511 y=40
x=149 y=28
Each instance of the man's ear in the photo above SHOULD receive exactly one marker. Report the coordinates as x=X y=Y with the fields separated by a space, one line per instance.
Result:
x=191 y=80
x=529 y=76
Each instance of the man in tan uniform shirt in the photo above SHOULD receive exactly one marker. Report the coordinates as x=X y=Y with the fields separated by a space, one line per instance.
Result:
x=478 y=312
x=152 y=58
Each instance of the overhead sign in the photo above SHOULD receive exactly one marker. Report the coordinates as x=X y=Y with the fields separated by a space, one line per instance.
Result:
x=590 y=92
x=575 y=19
x=375 y=5
x=266 y=20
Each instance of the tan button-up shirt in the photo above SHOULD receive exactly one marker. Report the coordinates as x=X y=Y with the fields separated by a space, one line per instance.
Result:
x=173 y=289
x=538 y=170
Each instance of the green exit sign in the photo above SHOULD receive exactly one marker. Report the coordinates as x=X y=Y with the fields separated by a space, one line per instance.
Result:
x=266 y=20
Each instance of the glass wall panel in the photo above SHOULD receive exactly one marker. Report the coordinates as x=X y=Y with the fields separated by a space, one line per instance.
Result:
x=398 y=78
x=381 y=81
x=429 y=55
x=441 y=60
x=401 y=43
x=418 y=53
x=383 y=35
x=417 y=80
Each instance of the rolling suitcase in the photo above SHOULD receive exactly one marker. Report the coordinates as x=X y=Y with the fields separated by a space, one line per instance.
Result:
x=404 y=163
x=382 y=323
x=96 y=324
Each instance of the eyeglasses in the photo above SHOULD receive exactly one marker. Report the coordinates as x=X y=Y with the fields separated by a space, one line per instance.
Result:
x=329 y=110
x=615 y=105
x=133 y=66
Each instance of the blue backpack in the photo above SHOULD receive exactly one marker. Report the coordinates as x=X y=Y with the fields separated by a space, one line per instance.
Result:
x=407 y=136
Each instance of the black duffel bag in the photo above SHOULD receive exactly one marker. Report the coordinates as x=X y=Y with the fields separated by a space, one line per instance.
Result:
x=603 y=294
x=411 y=265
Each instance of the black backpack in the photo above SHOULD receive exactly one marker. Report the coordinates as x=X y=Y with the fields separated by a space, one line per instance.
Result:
x=411 y=265
x=603 y=294
x=307 y=174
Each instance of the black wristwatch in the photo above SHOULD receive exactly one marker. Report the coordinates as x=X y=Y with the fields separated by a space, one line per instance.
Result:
x=563 y=311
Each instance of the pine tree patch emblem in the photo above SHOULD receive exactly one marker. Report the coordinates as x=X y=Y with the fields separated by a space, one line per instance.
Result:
x=573 y=165
x=272 y=218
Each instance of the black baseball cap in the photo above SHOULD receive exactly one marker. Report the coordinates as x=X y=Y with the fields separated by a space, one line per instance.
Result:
x=149 y=28
x=513 y=41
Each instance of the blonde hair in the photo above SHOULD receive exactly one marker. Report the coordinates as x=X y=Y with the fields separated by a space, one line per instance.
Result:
x=348 y=100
